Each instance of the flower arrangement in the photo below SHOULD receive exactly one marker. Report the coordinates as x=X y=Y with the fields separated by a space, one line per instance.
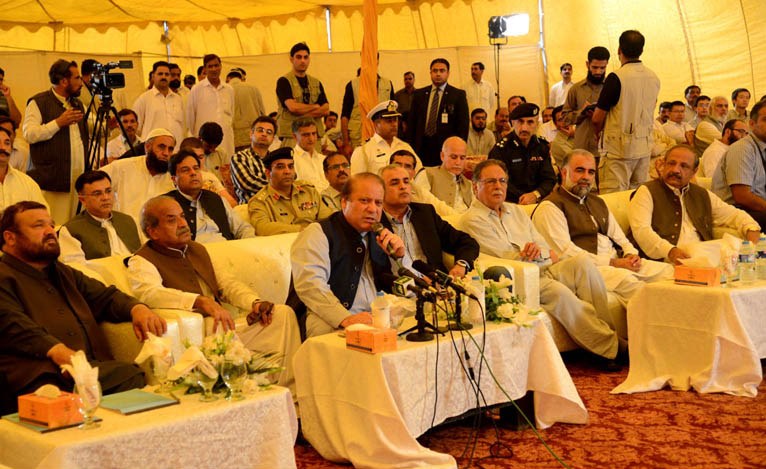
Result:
x=227 y=346
x=503 y=306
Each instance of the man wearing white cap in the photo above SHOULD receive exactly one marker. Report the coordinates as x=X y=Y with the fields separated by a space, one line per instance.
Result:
x=375 y=153
x=137 y=179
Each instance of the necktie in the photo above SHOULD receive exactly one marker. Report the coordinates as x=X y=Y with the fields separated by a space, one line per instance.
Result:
x=432 y=114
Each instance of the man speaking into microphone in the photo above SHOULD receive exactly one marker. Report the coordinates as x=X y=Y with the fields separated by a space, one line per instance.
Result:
x=424 y=233
x=339 y=263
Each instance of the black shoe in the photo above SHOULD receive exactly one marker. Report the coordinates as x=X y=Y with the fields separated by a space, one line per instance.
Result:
x=609 y=365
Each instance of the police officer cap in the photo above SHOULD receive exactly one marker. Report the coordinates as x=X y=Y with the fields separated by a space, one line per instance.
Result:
x=525 y=110
x=285 y=153
x=384 y=109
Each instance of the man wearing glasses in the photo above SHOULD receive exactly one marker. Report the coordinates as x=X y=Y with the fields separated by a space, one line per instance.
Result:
x=98 y=231
x=336 y=171
x=571 y=290
x=247 y=171
x=733 y=131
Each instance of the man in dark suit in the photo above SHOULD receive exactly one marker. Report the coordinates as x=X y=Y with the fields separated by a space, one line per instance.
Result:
x=424 y=233
x=438 y=111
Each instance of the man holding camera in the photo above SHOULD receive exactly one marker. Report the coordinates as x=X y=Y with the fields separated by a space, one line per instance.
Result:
x=57 y=136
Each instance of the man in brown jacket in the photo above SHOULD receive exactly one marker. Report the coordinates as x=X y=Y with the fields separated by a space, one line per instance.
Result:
x=49 y=310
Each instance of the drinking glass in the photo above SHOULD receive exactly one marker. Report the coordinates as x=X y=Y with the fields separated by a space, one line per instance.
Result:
x=206 y=383
x=90 y=398
x=160 y=367
x=234 y=374
x=729 y=268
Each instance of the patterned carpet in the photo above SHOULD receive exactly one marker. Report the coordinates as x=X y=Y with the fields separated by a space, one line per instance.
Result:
x=663 y=429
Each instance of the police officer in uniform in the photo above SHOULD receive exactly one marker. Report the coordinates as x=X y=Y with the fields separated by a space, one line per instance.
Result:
x=530 y=173
x=285 y=205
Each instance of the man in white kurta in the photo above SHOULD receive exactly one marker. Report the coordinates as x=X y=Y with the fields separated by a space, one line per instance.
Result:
x=623 y=274
x=160 y=107
x=262 y=325
x=571 y=290
x=479 y=92
x=212 y=100
x=15 y=186
x=308 y=161
x=137 y=179
x=376 y=152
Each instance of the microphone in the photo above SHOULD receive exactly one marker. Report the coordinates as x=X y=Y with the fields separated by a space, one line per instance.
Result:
x=378 y=228
x=402 y=285
x=405 y=272
x=442 y=278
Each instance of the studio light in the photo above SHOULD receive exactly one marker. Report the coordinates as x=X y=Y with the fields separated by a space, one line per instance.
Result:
x=509 y=25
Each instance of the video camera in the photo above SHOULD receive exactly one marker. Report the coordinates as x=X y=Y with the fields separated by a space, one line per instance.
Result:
x=102 y=82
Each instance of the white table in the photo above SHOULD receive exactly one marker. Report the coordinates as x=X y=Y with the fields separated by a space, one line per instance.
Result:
x=258 y=432
x=706 y=338
x=368 y=409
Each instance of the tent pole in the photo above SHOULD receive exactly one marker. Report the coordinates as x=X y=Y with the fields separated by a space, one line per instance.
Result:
x=543 y=54
x=327 y=25
x=167 y=37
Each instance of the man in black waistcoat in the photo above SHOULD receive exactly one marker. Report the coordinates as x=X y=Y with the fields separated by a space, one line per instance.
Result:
x=210 y=218
x=338 y=263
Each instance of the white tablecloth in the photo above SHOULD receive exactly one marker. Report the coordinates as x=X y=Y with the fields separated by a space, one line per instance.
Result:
x=258 y=432
x=706 y=338
x=368 y=409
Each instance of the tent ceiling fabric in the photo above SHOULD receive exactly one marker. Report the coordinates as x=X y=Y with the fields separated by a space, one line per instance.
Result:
x=90 y=12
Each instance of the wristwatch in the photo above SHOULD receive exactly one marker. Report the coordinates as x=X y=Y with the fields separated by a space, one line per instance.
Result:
x=464 y=264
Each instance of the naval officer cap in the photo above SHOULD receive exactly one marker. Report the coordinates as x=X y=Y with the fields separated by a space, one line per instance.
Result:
x=525 y=110
x=285 y=153
x=384 y=109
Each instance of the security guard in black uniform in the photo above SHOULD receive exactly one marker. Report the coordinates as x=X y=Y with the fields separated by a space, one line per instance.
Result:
x=530 y=173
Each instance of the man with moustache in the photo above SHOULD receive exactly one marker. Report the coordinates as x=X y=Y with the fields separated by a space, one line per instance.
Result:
x=691 y=93
x=119 y=146
x=336 y=171
x=159 y=107
x=559 y=91
x=581 y=99
x=15 y=186
x=669 y=213
x=527 y=157
x=285 y=205
x=405 y=159
x=375 y=153
x=338 y=263
x=136 y=179
x=172 y=271
x=479 y=92
x=564 y=141
x=57 y=136
x=480 y=140
x=501 y=126
x=212 y=100
x=175 y=81
x=209 y=216
x=424 y=233
x=98 y=231
x=575 y=221
x=50 y=310
x=247 y=171
x=571 y=290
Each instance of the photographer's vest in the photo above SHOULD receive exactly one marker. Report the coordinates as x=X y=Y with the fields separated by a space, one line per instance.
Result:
x=180 y=270
x=52 y=159
x=629 y=124
x=585 y=220
x=285 y=118
x=94 y=238
x=355 y=121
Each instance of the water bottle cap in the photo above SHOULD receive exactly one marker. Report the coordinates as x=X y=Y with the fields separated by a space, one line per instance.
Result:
x=745 y=242
x=380 y=293
x=475 y=277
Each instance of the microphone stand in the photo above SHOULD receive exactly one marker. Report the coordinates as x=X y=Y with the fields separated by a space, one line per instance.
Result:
x=420 y=331
x=459 y=325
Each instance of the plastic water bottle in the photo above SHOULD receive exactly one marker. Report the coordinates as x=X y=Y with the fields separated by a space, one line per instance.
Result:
x=760 y=258
x=381 y=311
x=747 y=272
x=476 y=309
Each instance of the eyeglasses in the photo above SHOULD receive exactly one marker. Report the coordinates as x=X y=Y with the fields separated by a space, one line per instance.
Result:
x=492 y=181
x=261 y=130
x=742 y=131
x=338 y=166
x=98 y=194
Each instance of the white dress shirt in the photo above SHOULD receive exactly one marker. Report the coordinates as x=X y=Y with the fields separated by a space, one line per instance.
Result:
x=558 y=94
x=308 y=167
x=676 y=131
x=375 y=153
x=20 y=155
x=71 y=248
x=117 y=146
x=156 y=110
x=133 y=185
x=480 y=95
x=711 y=158
x=548 y=131
x=412 y=248
x=640 y=217
x=209 y=232
x=207 y=103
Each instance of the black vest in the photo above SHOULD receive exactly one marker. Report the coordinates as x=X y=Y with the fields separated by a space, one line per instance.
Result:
x=212 y=204
x=582 y=230
x=52 y=158
x=94 y=239
x=347 y=258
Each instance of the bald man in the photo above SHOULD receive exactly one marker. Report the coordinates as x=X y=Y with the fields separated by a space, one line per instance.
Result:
x=447 y=182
